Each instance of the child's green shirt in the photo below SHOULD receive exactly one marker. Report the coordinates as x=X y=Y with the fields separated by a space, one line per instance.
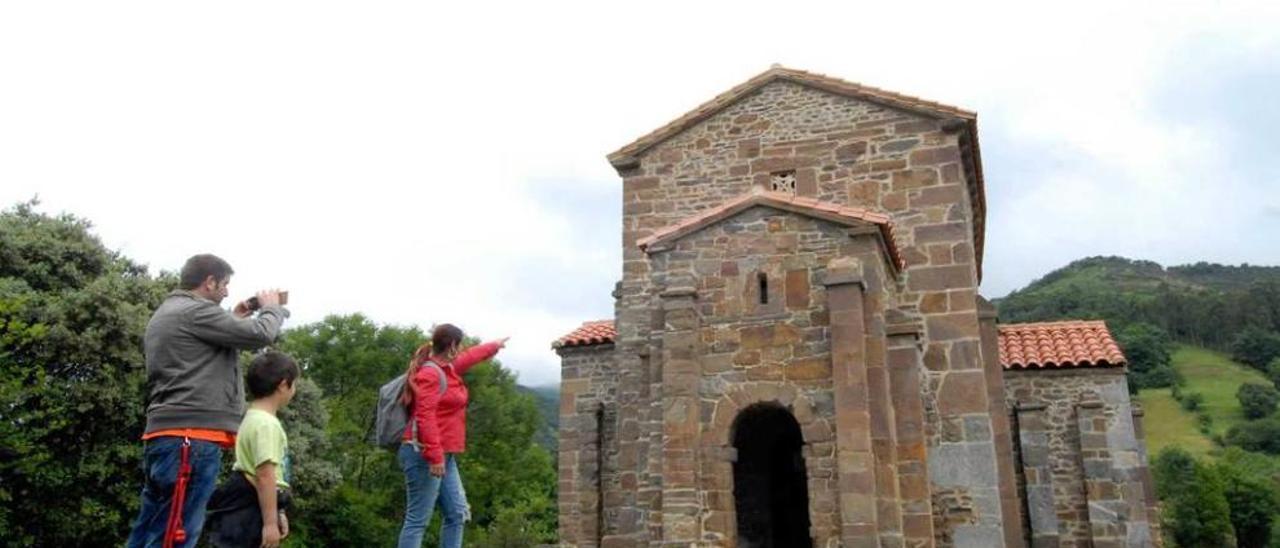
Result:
x=262 y=439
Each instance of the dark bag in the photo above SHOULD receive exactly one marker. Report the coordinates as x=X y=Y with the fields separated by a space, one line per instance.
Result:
x=233 y=518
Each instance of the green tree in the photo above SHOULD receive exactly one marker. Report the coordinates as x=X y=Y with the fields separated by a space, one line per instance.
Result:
x=1273 y=373
x=72 y=314
x=1257 y=400
x=1252 y=498
x=505 y=469
x=1148 y=349
x=305 y=419
x=1195 y=509
x=1262 y=435
x=1255 y=347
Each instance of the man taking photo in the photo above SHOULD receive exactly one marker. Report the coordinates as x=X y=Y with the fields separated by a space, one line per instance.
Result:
x=195 y=396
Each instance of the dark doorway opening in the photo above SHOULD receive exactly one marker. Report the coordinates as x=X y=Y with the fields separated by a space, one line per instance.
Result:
x=770 y=486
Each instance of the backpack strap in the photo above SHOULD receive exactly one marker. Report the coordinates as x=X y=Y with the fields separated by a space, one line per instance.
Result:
x=444 y=379
x=444 y=385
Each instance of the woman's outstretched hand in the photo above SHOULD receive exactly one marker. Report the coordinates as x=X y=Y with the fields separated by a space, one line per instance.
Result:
x=502 y=343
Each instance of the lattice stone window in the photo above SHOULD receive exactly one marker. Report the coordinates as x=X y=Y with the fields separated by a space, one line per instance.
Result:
x=784 y=181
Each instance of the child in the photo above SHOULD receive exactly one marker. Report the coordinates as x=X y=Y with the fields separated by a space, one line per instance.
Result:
x=248 y=509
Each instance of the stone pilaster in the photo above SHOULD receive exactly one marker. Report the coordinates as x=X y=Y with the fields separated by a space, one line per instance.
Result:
x=628 y=505
x=855 y=460
x=1034 y=431
x=579 y=448
x=1144 y=473
x=1113 y=486
x=905 y=370
x=1014 y=536
x=681 y=510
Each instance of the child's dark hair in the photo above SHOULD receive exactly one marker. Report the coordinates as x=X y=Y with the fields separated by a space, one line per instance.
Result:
x=267 y=370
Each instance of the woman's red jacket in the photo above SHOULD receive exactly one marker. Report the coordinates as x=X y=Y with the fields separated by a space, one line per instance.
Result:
x=442 y=418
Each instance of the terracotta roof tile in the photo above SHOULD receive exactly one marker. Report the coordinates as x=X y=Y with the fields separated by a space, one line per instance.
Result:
x=588 y=334
x=1049 y=345
x=1057 y=345
x=828 y=211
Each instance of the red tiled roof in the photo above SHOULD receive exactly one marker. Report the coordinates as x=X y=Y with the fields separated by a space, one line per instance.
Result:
x=1057 y=345
x=845 y=215
x=1046 y=345
x=589 y=334
x=627 y=155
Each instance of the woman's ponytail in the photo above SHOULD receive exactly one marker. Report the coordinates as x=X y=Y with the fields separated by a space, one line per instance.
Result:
x=420 y=355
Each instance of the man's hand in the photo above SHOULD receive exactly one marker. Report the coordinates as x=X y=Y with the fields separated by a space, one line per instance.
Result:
x=502 y=343
x=271 y=535
x=437 y=470
x=242 y=310
x=270 y=297
x=284 y=525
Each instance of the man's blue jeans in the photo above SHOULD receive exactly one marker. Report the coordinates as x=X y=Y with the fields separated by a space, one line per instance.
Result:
x=160 y=460
x=422 y=490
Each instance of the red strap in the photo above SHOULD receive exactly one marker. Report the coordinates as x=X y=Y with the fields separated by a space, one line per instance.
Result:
x=173 y=532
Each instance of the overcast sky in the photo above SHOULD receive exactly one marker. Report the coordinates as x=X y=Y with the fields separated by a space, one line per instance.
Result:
x=424 y=162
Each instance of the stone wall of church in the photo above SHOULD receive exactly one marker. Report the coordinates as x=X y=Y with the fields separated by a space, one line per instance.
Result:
x=587 y=460
x=844 y=151
x=1083 y=466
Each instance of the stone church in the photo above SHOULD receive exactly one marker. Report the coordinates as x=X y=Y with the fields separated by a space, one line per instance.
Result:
x=800 y=357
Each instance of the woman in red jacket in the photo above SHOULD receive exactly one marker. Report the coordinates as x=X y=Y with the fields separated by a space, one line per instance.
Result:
x=436 y=433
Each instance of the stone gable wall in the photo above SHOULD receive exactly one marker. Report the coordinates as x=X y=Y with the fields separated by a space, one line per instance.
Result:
x=749 y=352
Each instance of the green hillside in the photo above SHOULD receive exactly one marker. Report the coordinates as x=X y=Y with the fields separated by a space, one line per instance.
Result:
x=548 y=400
x=1214 y=376
x=1203 y=304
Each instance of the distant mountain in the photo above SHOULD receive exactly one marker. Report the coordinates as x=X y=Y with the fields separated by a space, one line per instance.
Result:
x=548 y=399
x=1201 y=303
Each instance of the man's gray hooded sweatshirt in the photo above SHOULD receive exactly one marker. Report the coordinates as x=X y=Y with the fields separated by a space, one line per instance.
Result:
x=193 y=374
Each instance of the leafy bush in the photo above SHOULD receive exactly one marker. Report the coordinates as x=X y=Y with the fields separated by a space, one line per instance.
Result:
x=1149 y=350
x=1261 y=435
x=72 y=314
x=1195 y=509
x=1191 y=401
x=1256 y=347
x=1257 y=400
x=1273 y=373
x=1252 y=497
x=1204 y=423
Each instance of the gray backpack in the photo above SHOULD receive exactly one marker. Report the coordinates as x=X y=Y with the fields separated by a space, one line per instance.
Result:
x=392 y=417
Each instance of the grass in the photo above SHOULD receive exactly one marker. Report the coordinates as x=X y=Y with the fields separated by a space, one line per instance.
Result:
x=1213 y=375
x=1167 y=424
x=1218 y=378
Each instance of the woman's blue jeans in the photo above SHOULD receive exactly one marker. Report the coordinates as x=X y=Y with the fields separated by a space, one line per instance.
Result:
x=422 y=490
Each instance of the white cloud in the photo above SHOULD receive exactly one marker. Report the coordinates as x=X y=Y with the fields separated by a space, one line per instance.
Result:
x=391 y=158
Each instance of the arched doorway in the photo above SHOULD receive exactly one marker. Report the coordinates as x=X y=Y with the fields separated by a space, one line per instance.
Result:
x=770 y=486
